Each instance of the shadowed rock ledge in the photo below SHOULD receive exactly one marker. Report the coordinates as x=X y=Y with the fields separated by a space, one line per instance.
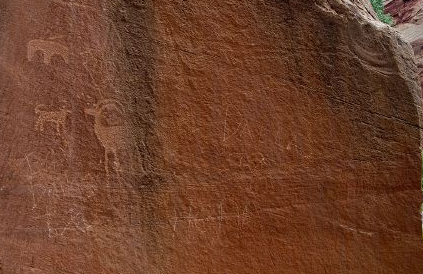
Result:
x=268 y=136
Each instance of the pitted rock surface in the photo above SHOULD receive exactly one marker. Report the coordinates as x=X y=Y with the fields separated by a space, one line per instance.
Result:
x=207 y=137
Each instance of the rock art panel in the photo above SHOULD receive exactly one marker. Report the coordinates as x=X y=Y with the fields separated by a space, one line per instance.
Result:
x=207 y=137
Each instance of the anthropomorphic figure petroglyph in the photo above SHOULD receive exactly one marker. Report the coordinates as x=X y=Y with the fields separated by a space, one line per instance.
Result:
x=114 y=135
x=48 y=48
x=58 y=118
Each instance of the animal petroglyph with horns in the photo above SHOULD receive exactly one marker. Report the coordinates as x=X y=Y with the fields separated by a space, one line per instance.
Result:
x=115 y=135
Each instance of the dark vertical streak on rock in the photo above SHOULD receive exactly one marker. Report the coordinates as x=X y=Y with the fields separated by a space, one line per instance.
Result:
x=134 y=20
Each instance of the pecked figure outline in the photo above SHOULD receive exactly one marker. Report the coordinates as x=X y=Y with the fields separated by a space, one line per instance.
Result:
x=48 y=48
x=58 y=118
x=371 y=54
x=114 y=135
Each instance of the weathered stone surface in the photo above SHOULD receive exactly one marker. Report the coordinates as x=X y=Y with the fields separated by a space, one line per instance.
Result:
x=206 y=137
x=408 y=17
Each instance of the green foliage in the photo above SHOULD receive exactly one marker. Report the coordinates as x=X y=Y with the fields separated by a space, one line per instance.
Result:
x=378 y=7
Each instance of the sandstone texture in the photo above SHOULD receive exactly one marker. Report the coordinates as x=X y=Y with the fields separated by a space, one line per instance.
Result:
x=408 y=19
x=208 y=136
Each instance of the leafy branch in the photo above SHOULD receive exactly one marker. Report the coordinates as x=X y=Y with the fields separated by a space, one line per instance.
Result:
x=380 y=12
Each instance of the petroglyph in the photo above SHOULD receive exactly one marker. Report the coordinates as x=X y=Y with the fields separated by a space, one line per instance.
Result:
x=372 y=59
x=115 y=135
x=48 y=48
x=370 y=54
x=58 y=118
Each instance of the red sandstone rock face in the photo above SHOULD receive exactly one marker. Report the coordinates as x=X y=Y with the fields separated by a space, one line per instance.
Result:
x=206 y=137
x=408 y=17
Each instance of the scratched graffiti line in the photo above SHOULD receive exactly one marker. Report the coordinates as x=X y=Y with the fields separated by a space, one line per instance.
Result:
x=192 y=221
x=76 y=222
x=45 y=184
x=49 y=190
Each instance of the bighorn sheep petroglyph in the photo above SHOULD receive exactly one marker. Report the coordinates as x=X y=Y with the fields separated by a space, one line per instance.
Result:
x=115 y=135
